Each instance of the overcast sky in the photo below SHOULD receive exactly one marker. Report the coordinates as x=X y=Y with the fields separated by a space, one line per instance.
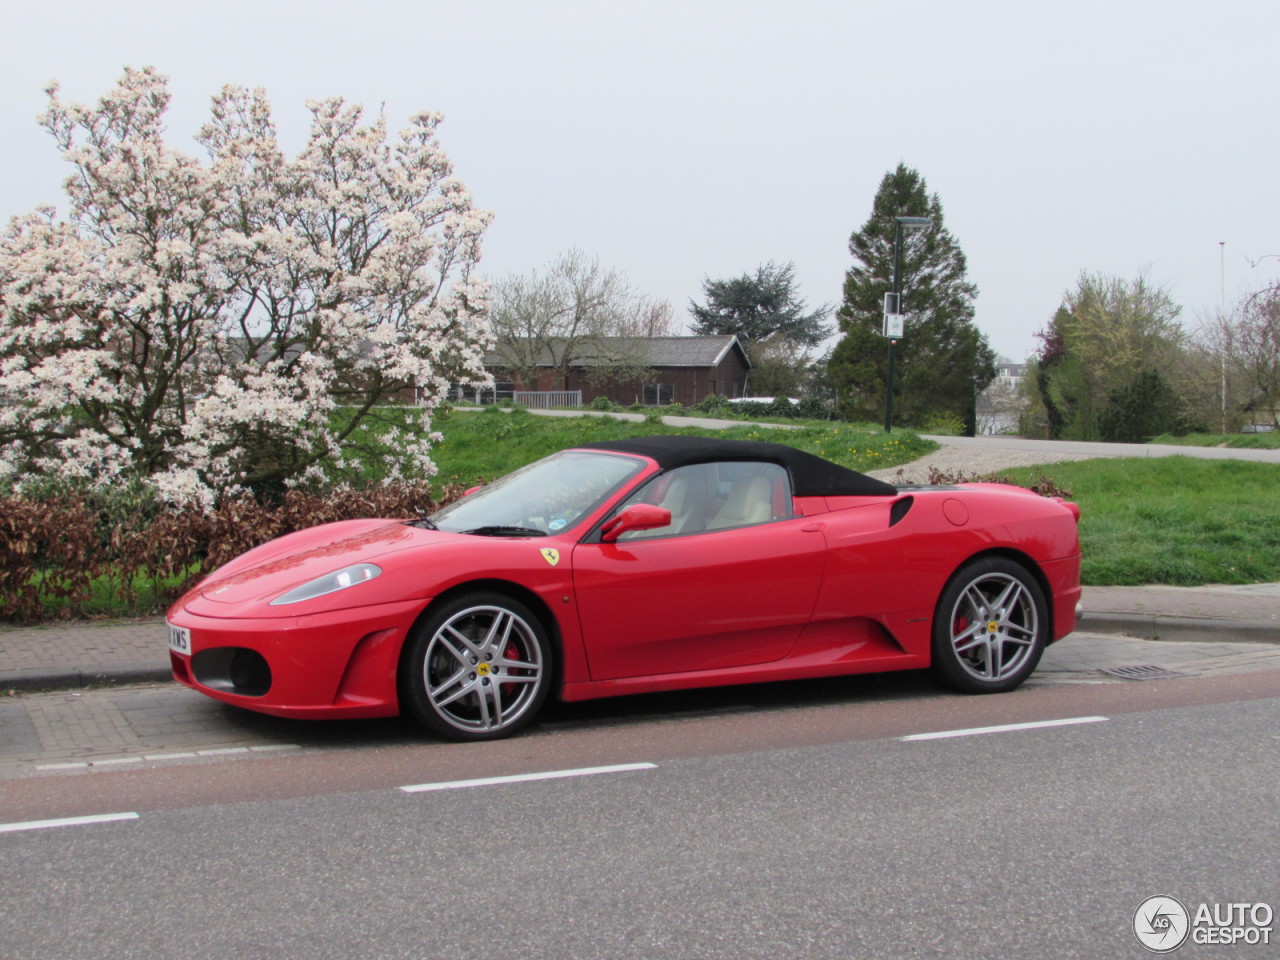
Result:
x=680 y=140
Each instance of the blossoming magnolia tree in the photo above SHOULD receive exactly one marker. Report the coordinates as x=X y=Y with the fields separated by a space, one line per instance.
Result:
x=198 y=324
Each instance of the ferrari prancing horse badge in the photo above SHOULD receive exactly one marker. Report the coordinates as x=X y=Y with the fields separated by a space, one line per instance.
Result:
x=551 y=555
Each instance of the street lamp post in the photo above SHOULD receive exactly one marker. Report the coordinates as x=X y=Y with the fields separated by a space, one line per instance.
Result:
x=894 y=330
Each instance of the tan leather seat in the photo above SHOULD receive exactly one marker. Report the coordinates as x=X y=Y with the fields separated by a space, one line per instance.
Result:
x=687 y=501
x=750 y=501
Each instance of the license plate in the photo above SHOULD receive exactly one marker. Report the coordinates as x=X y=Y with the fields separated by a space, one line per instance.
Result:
x=180 y=640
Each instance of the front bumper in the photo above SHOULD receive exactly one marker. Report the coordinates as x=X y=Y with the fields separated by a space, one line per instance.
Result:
x=333 y=665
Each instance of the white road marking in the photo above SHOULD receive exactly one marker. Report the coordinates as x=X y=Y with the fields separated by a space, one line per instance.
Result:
x=66 y=822
x=1006 y=728
x=527 y=777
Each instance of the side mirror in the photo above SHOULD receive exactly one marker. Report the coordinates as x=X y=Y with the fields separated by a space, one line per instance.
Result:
x=638 y=516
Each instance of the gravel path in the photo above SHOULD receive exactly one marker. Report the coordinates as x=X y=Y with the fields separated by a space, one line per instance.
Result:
x=970 y=461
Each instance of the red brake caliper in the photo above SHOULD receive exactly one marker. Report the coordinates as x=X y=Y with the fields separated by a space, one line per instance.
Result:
x=511 y=653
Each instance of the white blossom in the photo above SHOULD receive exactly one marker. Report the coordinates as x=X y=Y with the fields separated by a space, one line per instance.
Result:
x=198 y=324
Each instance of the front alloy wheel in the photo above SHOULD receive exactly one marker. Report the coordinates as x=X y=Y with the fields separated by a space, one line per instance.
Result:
x=479 y=668
x=990 y=627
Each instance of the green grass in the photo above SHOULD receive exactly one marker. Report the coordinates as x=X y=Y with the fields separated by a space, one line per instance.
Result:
x=1243 y=441
x=1173 y=520
x=482 y=446
x=108 y=596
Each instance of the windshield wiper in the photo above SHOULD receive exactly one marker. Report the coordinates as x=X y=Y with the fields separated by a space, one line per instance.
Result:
x=500 y=530
x=425 y=522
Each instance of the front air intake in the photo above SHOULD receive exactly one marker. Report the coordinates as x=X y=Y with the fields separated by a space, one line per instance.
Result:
x=237 y=670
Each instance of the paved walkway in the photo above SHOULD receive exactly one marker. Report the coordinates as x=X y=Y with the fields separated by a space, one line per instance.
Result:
x=985 y=455
x=1058 y=449
x=956 y=459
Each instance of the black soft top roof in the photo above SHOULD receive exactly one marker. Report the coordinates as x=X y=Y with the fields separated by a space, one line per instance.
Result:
x=810 y=476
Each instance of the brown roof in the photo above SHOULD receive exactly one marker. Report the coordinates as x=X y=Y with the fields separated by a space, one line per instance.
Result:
x=651 y=351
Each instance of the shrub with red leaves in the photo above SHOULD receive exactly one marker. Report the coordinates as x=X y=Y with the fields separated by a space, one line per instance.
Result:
x=1045 y=486
x=56 y=551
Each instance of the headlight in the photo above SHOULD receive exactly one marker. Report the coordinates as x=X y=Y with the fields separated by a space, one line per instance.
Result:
x=329 y=583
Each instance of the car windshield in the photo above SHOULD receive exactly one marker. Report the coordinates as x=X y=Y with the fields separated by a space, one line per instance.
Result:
x=546 y=497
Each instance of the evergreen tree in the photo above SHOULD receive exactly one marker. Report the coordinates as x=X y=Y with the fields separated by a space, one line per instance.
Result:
x=759 y=307
x=942 y=361
x=1144 y=408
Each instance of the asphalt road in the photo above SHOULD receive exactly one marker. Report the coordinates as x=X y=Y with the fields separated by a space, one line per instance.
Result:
x=782 y=821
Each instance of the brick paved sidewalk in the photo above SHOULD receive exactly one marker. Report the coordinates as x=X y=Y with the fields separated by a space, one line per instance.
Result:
x=83 y=653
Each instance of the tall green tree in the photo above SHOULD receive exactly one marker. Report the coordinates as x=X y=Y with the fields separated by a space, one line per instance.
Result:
x=1102 y=370
x=942 y=361
x=760 y=306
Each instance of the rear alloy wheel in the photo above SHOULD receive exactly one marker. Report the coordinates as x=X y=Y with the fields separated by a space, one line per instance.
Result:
x=990 y=627
x=479 y=668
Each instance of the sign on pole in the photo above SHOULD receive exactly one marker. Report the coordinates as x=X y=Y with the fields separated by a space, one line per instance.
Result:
x=893 y=318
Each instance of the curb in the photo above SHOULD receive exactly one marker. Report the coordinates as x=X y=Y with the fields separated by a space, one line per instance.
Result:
x=44 y=679
x=1149 y=626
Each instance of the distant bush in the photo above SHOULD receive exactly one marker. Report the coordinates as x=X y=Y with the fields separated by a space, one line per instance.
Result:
x=1145 y=408
x=778 y=408
x=946 y=425
x=811 y=408
x=603 y=403
x=712 y=405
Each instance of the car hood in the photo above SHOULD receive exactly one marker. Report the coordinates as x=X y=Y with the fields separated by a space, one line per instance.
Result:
x=278 y=567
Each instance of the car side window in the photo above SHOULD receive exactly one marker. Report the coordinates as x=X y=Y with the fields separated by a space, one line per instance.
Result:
x=715 y=496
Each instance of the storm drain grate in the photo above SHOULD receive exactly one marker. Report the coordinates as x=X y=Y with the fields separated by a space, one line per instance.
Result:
x=1146 y=671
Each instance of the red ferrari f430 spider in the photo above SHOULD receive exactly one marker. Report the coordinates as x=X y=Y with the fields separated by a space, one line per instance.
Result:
x=657 y=563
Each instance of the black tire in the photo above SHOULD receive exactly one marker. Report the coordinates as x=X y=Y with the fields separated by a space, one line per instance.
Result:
x=990 y=627
x=478 y=667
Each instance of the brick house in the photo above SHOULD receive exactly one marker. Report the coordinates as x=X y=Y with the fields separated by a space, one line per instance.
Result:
x=654 y=371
